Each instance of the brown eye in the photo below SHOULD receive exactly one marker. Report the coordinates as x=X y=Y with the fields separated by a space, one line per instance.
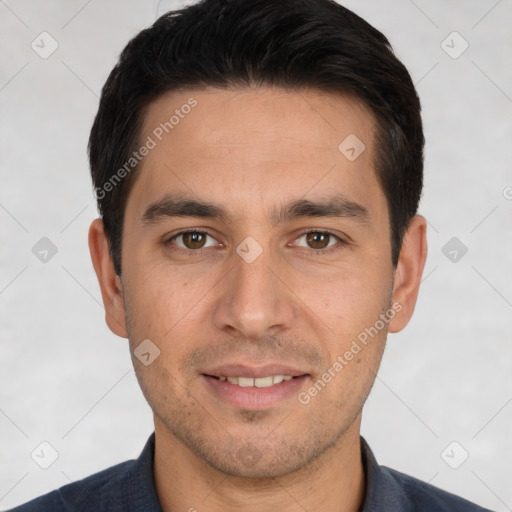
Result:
x=192 y=240
x=317 y=240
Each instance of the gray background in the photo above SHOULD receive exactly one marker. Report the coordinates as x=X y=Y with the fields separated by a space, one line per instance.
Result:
x=67 y=380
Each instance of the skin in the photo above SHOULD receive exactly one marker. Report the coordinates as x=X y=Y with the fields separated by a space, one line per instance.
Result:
x=251 y=151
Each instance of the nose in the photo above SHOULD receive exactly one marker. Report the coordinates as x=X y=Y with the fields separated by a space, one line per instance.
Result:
x=255 y=300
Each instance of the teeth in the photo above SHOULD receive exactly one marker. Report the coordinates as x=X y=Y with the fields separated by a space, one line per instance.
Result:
x=245 y=382
x=260 y=382
x=263 y=382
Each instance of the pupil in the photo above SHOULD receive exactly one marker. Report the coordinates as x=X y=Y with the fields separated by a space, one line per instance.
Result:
x=196 y=240
x=317 y=240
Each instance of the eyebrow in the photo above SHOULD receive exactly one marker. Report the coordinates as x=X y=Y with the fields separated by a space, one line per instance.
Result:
x=336 y=206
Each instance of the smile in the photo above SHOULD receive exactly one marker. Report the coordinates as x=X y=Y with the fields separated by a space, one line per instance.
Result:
x=259 y=382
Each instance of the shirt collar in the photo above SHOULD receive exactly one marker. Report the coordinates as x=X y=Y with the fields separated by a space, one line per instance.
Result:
x=382 y=492
x=141 y=481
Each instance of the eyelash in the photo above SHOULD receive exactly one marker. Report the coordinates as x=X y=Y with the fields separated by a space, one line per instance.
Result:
x=319 y=252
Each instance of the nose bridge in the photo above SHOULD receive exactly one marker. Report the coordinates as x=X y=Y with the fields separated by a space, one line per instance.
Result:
x=253 y=299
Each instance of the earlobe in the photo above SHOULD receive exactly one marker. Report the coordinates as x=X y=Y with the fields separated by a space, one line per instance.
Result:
x=409 y=271
x=110 y=283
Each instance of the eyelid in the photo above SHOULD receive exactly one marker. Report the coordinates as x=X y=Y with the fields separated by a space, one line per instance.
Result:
x=341 y=241
x=169 y=239
x=332 y=248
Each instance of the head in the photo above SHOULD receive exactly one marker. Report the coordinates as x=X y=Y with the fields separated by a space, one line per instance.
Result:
x=289 y=137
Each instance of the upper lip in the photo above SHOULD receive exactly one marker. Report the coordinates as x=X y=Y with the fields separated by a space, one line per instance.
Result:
x=246 y=370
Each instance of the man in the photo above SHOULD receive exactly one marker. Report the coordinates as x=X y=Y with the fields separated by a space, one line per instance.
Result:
x=258 y=167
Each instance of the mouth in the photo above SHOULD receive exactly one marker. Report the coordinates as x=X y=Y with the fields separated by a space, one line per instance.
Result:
x=250 y=382
x=254 y=388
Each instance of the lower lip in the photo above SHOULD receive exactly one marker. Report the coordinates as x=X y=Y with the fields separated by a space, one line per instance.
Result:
x=252 y=397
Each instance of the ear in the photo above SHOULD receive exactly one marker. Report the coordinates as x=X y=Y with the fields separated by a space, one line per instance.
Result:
x=409 y=271
x=110 y=282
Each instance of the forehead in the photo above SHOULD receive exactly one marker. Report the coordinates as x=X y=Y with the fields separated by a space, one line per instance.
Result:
x=251 y=147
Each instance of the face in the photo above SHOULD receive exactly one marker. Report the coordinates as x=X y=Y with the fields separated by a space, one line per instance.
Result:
x=256 y=258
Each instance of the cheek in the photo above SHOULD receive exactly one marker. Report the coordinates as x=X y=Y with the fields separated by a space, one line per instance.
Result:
x=351 y=299
x=353 y=312
x=163 y=301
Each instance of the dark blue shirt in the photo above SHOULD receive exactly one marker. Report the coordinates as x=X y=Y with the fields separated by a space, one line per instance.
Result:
x=129 y=486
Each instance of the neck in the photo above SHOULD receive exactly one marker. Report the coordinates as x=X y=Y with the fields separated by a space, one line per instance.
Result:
x=333 y=481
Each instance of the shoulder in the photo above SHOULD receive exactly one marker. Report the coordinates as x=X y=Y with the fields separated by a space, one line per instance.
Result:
x=96 y=492
x=421 y=496
x=126 y=486
x=388 y=490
